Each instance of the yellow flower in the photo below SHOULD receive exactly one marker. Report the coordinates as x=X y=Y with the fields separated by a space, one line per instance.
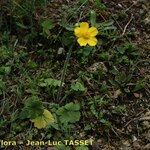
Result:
x=44 y=120
x=86 y=35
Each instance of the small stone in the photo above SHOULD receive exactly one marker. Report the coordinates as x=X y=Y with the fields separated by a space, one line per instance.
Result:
x=146 y=124
x=136 y=145
x=147 y=147
x=117 y=93
x=126 y=143
x=97 y=66
x=134 y=138
x=147 y=135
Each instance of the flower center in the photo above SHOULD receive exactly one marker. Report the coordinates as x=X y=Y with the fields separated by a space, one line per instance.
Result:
x=86 y=35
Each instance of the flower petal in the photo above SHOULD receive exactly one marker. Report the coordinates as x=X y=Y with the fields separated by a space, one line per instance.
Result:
x=78 y=32
x=84 y=25
x=82 y=41
x=39 y=122
x=44 y=120
x=48 y=116
x=92 y=41
x=93 y=31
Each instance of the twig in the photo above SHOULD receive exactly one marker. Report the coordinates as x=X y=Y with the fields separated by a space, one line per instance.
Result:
x=125 y=28
x=134 y=3
x=133 y=119
x=115 y=132
x=147 y=118
x=119 y=25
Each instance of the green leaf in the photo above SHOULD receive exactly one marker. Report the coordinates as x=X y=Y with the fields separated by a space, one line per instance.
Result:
x=82 y=148
x=33 y=108
x=99 y=4
x=85 y=51
x=106 y=26
x=69 y=116
x=94 y=111
x=61 y=147
x=24 y=113
x=4 y=70
x=140 y=85
x=78 y=87
x=70 y=113
x=50 y=82
x=67 y=38
x=67 y=26
x=21 y=25
x=31 y=64
x=106 y=123
x=93 y=17
x=47 y=25
x=87 y=127
x=104 y=56
x=72 y=106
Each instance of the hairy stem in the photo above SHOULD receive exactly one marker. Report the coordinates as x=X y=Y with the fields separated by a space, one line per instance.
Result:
x=64 y=73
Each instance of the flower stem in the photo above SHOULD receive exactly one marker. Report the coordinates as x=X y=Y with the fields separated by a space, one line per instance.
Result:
x=64 y=73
